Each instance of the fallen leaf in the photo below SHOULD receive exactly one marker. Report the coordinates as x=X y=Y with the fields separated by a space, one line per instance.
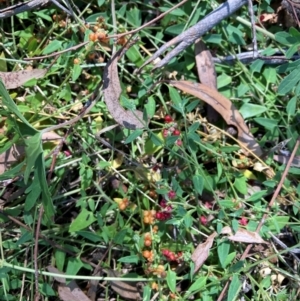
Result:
x=243 y=235
x=224 y=107
x=112 y=91
x=70 y=291
x=13 y=155
x=15 y=79
x=202 y=251
x=127 y=290
x=206 y=74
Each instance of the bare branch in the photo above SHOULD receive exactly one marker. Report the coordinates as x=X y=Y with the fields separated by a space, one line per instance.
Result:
x=188 y=37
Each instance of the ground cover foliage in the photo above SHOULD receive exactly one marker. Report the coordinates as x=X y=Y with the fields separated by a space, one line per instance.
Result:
x=183 y=208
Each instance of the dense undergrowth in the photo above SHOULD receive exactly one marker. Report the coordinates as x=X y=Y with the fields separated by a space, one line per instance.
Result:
x=138 y=203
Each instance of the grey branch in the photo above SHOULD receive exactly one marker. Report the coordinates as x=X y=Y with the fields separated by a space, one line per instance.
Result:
x=188 y=37
x=28 y=6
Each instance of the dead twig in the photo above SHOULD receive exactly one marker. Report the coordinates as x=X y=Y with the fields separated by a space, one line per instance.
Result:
x=188 y=37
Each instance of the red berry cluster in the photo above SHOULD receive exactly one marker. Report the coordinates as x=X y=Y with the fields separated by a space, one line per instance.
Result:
x=164 y=214
x=171 y=256
x=171 y=129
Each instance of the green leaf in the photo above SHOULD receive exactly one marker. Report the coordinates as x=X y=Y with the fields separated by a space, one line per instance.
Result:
x=257 y=196
x=129 y=259
x=89 y=235
x=256 y=66
x=150 y=106
x=284 y=38
x=52 y=46
x=33 y=149
x=11 y=106
x=33 y=195
x=223 y=251
x=119 y=238
x=76 y=72
x=171 y=280
x=154 y=144
x=235 y=36
x=276 y=223
x=198 y=183
x=240 y=183
x=223 y=80
x=229 y=258
x=73 y=267
x=234 y=288
x=134 y=16
x=198 y=284
x=60 y=257
x=291 y=106
x=83 y=220
x=267 y=123
x=289 y=82
x=100 y=2
x=249 y=110
x=133 y=136
x=175 y=30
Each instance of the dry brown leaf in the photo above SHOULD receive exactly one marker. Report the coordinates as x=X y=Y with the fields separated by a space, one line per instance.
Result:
x=243 y=235
x=11 y=156
x=112 y=92
x=202 y=251
x=127 y=290
x=69 y=292
x=206 y=74
x=51 y=136
x=15 y=79
x=224 y=107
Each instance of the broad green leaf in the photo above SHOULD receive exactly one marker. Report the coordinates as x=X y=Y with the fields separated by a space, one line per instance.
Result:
x=175 y=30
x=33 y=149
x=129 y=259
x=267 y=123
x=83 y=220
x=234 y=288
x=289 y=82
x=291 y=106
x=133 y=136
x=198 y=284
x=120 y=236
x=73 y=267
x=235 y=35
x=198 y=183
x=256 y=66
x=154 y=144
x=11 y=106
x=276 y=223
x=229 y=258
x=257 y=196
x=134 y=16
x=171 y=280
x=60 y=257
x=89 y=235
x=76 y=72
x=249 y=110
x=150 y=106
x=223 y=251
x=223 y=80
x=240 y=183
x=52 y=46
x=33 y=195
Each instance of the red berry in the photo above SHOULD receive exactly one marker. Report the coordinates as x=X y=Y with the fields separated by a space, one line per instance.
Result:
x=176 y=133
x=168 y=119
x=243 y=221
x=165 y=133
x=179 y=142
x=171 y=194
x=203 y=220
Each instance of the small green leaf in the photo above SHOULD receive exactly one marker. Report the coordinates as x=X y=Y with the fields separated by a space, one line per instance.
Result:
x=223 y=250
x=291 y=106
x=83 y=220
x=150 y=106
x=267 y=123
x=171 y=280
x=76 y=72
x=52 y=46
x=198 y=284
x=223 y=80
x=73 y=267
x=234 y=288
x=129 y=259
x=133 y=136
x=240 y=183
x=249 y=110
x=289 y=82
x=198 y=183
x=60 y=257
x=175 y=30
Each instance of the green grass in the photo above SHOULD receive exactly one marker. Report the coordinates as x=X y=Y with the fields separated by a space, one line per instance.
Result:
x=140 y=202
